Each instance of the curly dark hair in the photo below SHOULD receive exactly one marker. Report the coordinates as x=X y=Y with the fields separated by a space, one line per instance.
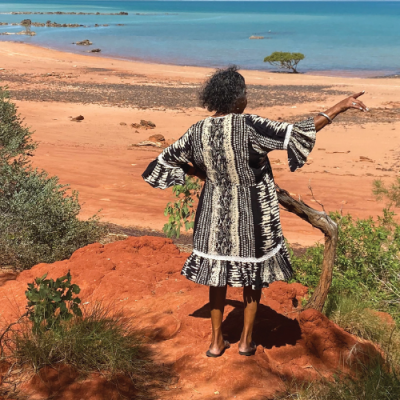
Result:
x=221 y=91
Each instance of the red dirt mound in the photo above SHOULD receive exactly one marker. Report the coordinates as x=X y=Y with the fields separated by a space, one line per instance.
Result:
x=143 y=276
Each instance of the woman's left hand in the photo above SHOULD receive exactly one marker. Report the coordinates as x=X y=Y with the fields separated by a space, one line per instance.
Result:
x=351 y=102
x=344 y=105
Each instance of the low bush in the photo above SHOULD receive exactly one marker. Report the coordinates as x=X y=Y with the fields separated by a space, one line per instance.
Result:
x=51 y=301
x=38 y=215
x=16 y=143
x=367 y=263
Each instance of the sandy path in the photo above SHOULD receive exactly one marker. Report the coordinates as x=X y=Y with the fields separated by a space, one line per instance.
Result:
x=93 y=155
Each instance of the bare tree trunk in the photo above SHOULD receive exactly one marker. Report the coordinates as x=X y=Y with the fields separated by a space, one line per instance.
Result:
x=321 y=221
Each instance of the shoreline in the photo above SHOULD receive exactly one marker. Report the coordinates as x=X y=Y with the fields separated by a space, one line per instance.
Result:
x=96 y=156
x=354 y=74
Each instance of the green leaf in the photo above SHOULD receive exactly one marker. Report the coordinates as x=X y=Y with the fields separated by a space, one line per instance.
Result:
x=75 y=289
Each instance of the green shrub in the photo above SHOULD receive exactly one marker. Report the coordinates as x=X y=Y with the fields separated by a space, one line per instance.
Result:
x=50 y=302
x=182 y=212
x=391 y=193
x=15 y=140
x=367 y=263
x=38 y=216
x=285 y=60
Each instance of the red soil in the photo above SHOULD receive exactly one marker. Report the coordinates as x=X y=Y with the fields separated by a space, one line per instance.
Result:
x=143 y=276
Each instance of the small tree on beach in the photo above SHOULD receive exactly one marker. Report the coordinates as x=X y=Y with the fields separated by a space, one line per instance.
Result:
x=27 y=23
x=285 y=60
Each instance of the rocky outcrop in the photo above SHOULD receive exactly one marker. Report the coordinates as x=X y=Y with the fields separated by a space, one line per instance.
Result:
x=157 y=138
x=142 y=276
x=143 y=125
x=147 y=124
x=256 y=37
x=85 y=42
x=50 y=24
x=64 y=13
x=95 y=51
x=27 y=33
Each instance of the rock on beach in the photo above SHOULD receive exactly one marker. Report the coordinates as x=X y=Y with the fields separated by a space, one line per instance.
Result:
x=64 y=13
x=85 y=42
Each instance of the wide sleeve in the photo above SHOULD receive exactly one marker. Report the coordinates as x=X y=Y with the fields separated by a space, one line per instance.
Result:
x=300 y=143
x=170 y=167
x=298 y=139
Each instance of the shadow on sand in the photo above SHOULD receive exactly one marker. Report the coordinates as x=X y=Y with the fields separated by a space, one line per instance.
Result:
x=271 y=329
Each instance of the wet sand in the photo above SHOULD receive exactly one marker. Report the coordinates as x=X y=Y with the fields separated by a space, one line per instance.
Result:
x=95 y=156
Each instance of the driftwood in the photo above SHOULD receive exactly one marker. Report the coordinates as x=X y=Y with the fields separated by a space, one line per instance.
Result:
x=321 y=221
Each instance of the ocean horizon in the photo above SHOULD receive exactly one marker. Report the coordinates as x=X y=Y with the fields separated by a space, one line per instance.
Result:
x=336 y=37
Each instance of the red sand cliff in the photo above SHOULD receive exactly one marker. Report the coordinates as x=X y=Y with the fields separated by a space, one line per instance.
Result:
x=143 y=276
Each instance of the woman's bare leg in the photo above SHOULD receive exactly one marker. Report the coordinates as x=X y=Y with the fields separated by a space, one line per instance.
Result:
x=217 y=305
x=251 y=299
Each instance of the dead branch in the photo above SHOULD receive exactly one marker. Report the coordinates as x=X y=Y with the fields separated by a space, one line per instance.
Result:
x=317 y=201
x=321 y=221
x=8 y=329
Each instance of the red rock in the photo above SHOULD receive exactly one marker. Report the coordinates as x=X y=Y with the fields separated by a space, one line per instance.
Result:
x=157 y=138
x=78 y=118
x=142 y=275
x=147 y=124
x=7 y=276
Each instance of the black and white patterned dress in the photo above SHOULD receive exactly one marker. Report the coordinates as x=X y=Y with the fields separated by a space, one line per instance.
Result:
x=237 y=234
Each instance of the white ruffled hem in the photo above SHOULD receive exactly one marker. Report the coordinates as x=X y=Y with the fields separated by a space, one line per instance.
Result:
x=219 y=273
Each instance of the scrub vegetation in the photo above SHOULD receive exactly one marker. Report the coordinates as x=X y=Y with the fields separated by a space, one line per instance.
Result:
x=38 y=215
x=379 y=378
x=57 y=331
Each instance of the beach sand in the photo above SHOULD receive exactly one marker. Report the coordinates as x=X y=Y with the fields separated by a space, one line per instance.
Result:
x=96 y=158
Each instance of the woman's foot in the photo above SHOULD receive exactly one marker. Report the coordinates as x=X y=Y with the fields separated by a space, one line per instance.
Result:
x=218 y=350
x=247 y=349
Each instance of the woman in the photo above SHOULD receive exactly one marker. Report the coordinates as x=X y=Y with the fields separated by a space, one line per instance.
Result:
x=238 y=238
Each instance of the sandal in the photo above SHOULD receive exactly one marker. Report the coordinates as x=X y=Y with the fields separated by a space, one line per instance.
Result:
x=250 y=352
x=212 y=355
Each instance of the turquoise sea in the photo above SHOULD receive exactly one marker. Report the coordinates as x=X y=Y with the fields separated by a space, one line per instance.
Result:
x=350 y=38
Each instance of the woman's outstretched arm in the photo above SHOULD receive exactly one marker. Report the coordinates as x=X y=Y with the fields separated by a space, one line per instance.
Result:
x=321 y=121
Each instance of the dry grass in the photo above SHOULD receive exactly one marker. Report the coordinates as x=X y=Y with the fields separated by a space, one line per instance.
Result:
x=377 y=380
x=102 y=340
